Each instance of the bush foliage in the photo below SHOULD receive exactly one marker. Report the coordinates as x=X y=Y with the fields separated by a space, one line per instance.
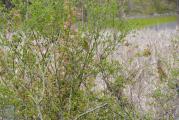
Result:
x=51 y=56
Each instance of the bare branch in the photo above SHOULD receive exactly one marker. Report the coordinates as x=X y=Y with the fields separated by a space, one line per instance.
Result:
x=91 y=110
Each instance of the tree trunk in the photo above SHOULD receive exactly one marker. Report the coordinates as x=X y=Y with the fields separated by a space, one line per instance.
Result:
x=177 y=12
x=130 y=5
x=156 y=4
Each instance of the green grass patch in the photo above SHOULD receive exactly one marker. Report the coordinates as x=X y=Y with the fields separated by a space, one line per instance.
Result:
x=143 y=22
x=138 y=23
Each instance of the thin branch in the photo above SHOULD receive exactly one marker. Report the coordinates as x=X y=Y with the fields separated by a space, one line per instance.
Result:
x=91 y=110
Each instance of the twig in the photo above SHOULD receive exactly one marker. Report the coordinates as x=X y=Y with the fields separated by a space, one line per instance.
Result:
x=91 y=110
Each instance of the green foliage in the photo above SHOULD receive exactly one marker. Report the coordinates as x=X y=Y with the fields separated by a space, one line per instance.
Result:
x=49 y=69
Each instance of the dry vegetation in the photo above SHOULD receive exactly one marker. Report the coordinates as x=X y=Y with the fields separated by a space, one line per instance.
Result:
x=149 y=61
